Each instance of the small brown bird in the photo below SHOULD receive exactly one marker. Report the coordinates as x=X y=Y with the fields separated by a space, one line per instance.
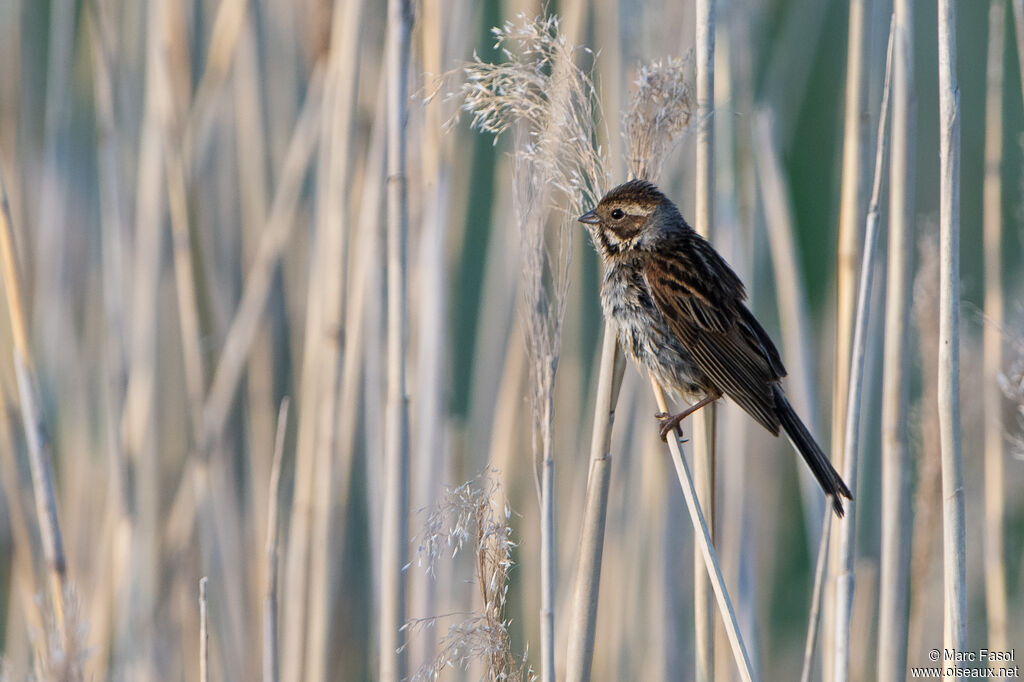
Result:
x=679 y=309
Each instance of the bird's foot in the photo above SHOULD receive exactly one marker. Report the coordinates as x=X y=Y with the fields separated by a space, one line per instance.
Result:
x=669 y=423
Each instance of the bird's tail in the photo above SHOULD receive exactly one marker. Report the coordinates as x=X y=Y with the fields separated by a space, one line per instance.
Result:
x=829 y=479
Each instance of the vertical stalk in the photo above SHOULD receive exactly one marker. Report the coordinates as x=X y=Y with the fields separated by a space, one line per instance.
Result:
x=705 y=420
x=992 y=218
x=204 y=633
x=140 y=393
x=851 y=212
x=185 y=280
x=819 y=584
x=334 y=195
x=38 y=442
x=953 y=545
x=583 y=613
x=895 y=555
x=395 y=533
x=295 y=584
x=430 y=454
x=706 y=548
x=547 y=535
x=844 y=578
x=271 y=664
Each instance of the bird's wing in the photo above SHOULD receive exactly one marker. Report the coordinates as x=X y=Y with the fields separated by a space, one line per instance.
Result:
x=708 y=317
x=765 y=341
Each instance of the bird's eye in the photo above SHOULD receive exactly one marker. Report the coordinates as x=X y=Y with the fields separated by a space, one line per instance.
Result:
x=618 y=214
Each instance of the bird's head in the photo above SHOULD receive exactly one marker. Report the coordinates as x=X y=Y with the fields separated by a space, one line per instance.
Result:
x=631 y=217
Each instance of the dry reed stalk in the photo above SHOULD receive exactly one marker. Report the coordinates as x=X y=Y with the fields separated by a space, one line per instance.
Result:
x=204 y=633
x=251 y=147
x=25 y=610
x=261 y=400
x=36 y=438
x=738 y=183
x=851 y=211
x=851 y=451
x=729 y=162
x=374 y=379
x=297 y=584
x=364 y=265
x=896 y=496
x=107 y=608
x=996 y=597
x=583 y=612
x=328 y=290
x=542 y=367
x=220 y=536
x=791 y=298
x=185 y=280
x=271 y=664
x=112 y=224
x=954 y=542
x=22 y=568
x=139 y=589
x=704 y=422
x=430 y=456
x=819 y=587
x=395 y=525
x=104 y=611
x=707 y=550
x=548 y=556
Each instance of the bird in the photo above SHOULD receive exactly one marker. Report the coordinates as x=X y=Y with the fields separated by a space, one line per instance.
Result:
x=679 y=310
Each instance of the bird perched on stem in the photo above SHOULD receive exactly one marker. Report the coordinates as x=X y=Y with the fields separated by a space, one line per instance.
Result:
x=679 y=310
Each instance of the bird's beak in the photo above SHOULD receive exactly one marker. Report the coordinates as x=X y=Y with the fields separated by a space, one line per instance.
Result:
x=590 y=218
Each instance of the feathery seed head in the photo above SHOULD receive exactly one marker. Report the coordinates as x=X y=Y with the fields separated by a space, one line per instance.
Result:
x=661 y=108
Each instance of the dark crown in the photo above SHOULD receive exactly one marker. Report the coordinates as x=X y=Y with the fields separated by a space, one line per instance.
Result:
x=637 y=191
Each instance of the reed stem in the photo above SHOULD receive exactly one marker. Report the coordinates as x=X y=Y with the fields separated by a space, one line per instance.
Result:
x=996 y=597
x=953 y=535
x=706 y=548
x=704 y=440
x=851 y=446
x=895 y=555
x=395 y=532
x=583 y=613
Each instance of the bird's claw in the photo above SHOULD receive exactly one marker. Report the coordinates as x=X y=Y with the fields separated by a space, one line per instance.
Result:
x=669 y=423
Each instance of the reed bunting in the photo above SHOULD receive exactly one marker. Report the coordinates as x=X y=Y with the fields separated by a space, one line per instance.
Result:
x=679 y=311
